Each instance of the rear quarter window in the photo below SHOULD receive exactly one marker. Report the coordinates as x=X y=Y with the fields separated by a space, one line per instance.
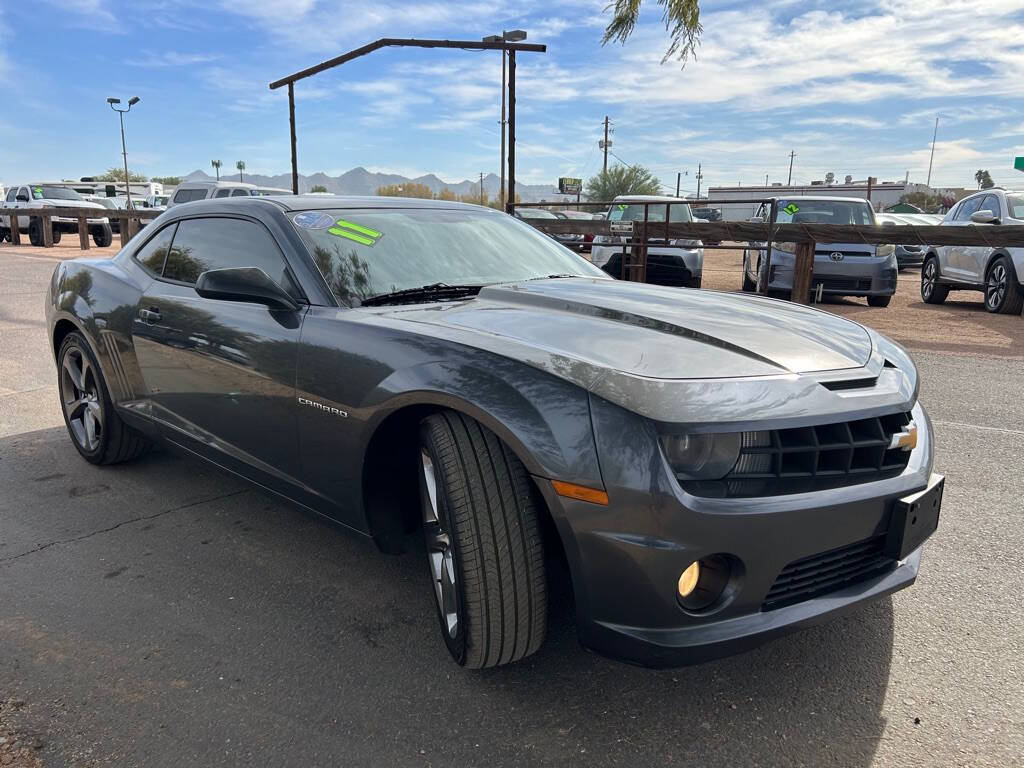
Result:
x=154 y=253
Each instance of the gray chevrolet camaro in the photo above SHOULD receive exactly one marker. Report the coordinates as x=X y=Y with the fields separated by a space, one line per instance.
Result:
x=715 y=469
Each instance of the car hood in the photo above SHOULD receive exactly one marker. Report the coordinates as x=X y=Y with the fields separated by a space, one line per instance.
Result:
x=583 y=328
x=70 y=203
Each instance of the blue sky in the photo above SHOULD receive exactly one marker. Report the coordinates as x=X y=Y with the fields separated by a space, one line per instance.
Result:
x=852 y=88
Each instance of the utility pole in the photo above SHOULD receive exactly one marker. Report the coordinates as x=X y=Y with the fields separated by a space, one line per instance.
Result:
x=679 y=178
x=766 y=180
x=700 y=176
x=789 y=181
x=604 y=146
x=510 y=202
x=481 y=188
x=931 y=159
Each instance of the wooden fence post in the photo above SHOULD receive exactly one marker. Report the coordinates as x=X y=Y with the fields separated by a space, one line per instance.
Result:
x=803 y=272
x=46 y=228
x=122 y=227
x=15 y=232
x=83 y=233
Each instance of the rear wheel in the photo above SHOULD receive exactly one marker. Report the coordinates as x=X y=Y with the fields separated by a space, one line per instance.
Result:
x=1002 y=294
x=879 y=301
x=749 y=286
x=102 y=235
x=932 y=291
x=96 y=430
x=56 y=235
x=35 y=232
x=483 y=543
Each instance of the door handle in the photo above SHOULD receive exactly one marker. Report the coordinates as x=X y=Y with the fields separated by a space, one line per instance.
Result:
x=149 y=316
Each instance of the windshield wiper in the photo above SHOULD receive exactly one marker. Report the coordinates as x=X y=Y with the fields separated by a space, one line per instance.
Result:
x=432 y=292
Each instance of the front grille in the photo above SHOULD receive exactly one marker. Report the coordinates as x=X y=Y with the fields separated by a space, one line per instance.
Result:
x=802 y=459
x=828 y=572
x=842 y=284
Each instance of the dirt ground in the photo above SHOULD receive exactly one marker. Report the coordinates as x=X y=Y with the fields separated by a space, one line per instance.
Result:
x=959 y=325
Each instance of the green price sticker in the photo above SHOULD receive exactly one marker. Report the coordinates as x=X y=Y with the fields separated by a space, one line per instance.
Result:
x=791 y=209
x=355 y=232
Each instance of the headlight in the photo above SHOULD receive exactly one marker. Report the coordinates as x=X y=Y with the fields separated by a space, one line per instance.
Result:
x=702 y=457
x=884 y=250
x=688 y=243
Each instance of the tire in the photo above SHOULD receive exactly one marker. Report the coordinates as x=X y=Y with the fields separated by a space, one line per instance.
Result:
x=56 y=235
x=102 y=235
x=932 y=291
x=94 y=427
x=749 y=286
x=484 y=548
x=35 y=232
x=1002 y=294
x=879 y=301
x=694 y=282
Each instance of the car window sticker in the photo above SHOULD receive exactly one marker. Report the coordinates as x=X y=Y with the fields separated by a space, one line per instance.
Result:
x=791 y=209
x=37 y=193
x=313 y=220
x=356 y=232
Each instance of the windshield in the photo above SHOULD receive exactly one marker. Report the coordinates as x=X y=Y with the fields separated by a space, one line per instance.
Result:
x=655 y=212
x=369 y=252
x=824 y=212
x=535 y=213
x=160 y=200
x=54 y=193
x=1015 y=206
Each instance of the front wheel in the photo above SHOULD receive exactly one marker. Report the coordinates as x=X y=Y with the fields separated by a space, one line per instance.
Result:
x=483 y=542
x=96 y=430
x=35 y=232
x=879 y=301
x=1002 y=294
x=932 y=291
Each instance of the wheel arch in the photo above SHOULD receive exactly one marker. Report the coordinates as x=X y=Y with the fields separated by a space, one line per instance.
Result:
x=996 y=253
x=388 y=479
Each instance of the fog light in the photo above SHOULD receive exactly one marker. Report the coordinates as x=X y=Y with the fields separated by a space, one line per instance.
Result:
x=688 y=580
x=705 y=583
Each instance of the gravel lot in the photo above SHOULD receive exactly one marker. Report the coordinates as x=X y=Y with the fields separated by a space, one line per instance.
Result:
x=162 y=613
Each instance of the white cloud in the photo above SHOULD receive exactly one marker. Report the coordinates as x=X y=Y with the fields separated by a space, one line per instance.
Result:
x=172 y=59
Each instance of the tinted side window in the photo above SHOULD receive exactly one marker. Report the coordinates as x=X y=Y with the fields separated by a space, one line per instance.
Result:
x=223 y=193
x=188 y=195
x=12 y=195
x=991 y=203
x=218 y=243
x=240 y=193
x=153 y=254
x=967 y=207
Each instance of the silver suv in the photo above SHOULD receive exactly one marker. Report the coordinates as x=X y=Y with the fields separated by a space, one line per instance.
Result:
x=840 y=269
x=996 y=271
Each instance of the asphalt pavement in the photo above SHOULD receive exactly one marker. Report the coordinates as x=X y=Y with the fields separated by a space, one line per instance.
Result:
x=161 y=613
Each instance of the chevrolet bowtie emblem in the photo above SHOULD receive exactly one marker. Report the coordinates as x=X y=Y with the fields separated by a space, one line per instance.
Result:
x=906 y=439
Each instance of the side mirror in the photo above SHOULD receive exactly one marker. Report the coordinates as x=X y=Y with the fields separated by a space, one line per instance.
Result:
x=984 y=216
x=244 y=284
x=22 y=197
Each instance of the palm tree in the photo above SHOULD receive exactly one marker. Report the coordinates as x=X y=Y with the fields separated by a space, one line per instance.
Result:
x=682 y=22
x=216 y=167
x=240 y=165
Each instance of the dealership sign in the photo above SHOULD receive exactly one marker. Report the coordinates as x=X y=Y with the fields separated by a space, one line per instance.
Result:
x=569 y=186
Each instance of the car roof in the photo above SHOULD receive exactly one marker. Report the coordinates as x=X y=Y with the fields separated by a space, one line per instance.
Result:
x=319 y=202
x=824 y=198
x=646 y=198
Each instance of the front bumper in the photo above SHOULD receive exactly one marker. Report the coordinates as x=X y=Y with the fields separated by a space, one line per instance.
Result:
x=855 y=276
x=626 y=558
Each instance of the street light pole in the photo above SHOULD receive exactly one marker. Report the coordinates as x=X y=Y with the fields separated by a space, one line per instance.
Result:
x=507 y=36
x=931 y=159
x=124 y=150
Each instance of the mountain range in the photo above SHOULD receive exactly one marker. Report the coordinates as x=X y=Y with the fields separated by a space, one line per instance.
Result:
x=360 y=181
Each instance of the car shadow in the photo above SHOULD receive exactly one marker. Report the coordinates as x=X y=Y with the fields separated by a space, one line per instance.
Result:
x=283 y=633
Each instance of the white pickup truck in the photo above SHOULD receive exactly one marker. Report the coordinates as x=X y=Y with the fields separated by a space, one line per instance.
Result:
x=30 y=197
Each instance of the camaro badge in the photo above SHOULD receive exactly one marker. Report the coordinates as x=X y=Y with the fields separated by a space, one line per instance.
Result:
x=322 y=407
x=906 y=439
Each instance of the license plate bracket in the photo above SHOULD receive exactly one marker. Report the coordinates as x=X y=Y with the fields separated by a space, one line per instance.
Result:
x=915 y=518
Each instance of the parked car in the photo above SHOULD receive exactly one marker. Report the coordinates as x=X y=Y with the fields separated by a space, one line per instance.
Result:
x=159 y=202
x=586 y=239
x=190 y=191
x=567 y=239
x=716 y=469
x=840 y=269
x=907 y=254
x=998 y=272
x=111 y=204
x=30 y=197
x=680 y=266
